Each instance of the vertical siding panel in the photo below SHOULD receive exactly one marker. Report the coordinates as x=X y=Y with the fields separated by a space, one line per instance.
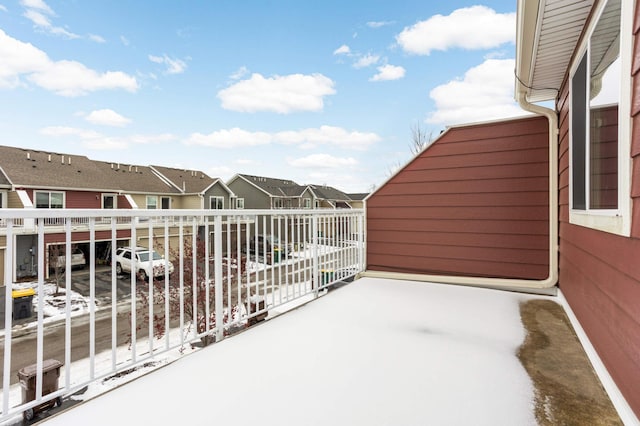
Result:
x=483 y=191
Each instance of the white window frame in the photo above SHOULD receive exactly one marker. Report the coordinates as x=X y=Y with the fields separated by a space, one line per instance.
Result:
x=35 y=198
x=306 y=203
x=278 y=203
x=155 y=202
x=240 y=203
x=216 y=198
x=615 y=221
x=4 y=198
x=115 y=199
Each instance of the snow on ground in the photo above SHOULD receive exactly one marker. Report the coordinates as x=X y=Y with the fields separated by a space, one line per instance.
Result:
x=375 y=352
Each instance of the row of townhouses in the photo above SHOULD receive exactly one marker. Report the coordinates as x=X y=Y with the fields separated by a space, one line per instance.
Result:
x=35 y=179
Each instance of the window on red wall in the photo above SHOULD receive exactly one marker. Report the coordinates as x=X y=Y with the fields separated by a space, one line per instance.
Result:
x=49 y=200
x=598 y=138
x=595 y=95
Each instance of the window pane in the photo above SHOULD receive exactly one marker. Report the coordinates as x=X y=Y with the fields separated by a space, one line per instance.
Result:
x=57 y=200
x=42 y=200
x=108 y=202
x=152 y=202
x=216 y=203
x=166 y=203
x=604 y=75
x=603 y=161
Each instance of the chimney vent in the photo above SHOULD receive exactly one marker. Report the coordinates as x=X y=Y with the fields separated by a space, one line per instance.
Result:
x=28 y=156
x=49 y=158
x=63 y=159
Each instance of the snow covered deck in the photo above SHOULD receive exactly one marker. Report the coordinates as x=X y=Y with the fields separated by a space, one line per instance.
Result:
x=374 y=352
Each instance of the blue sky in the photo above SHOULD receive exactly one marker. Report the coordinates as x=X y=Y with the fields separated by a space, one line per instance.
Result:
x=318 y=92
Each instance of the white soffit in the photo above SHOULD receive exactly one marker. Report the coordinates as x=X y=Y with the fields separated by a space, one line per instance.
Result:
x=558 y=29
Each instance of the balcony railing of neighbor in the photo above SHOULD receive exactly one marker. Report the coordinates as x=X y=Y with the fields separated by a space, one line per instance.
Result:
x=216 y=271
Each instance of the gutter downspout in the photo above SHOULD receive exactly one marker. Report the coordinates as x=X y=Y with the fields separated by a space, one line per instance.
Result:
x=545 y=286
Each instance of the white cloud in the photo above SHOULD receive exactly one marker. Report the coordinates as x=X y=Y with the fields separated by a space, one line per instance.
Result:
x=485 y=93
x=322 y=161
x=281 y=94
x=59 y=131
x=151 y=139
x=246 y=161
x=388 y=72
x=106 y=144
x=3 y=8
x=366 y=60
x=174 y=66
x=379 y=24
x=39 y=13
x=328 y=135
x=19 y=58
x=98 y=141
x=65 y=78
x=223 y=172
x=70 y=78
x=475 y=27
x=232 y=138
x=306 y=138
x=239 y=73
x=96 y=38
x=107 y=117
x=37 y=5
x=342 y=50
x=125 y=40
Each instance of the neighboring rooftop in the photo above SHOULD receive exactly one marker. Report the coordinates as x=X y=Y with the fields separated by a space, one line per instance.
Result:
x=134 y=178
x=359 y=196
x=31 y=168
x=274 y=186
x=329 y=193
x=188 y=181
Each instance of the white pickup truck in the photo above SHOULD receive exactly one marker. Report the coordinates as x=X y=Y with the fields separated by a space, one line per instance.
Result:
x=147 y=262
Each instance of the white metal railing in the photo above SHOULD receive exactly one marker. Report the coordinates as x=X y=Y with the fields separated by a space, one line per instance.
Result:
x=240 y=266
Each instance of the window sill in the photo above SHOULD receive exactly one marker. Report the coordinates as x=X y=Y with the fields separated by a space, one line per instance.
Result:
x=605 y=221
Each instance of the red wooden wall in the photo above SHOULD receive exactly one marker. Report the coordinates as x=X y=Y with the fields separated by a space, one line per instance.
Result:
x=475 y=203
x=600 y=272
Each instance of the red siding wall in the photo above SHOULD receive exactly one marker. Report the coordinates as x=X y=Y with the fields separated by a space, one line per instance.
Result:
x=77 y=199
x=475 y=203
x=600 y=272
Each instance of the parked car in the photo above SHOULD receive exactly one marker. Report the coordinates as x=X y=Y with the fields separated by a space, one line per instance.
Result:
x=59 y=260
x=147 y=262
x=267 y=242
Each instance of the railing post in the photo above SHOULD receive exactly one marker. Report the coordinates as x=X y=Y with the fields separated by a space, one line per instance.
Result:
x=314 y=254
x=92 y=295
x=361 y=266
x=8 y=318
x=217 y=268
